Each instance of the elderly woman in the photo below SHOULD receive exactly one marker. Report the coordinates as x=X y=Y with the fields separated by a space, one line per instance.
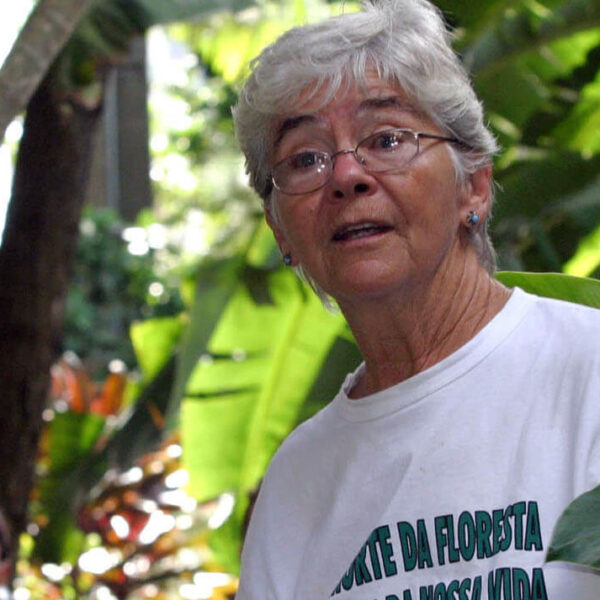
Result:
x=442 y=465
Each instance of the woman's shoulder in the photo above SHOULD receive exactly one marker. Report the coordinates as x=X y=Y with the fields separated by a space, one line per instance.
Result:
x=307 y=438
x=570 y=330
x=571 y=317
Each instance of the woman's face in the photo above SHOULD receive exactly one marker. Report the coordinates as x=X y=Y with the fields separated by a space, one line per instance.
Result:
x=371 y=234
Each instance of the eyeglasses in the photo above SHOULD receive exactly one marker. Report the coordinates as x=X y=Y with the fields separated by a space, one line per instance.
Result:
x=382 y=152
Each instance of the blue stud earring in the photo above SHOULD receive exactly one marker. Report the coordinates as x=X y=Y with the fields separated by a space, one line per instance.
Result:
x=287 y=259
x=472 y=218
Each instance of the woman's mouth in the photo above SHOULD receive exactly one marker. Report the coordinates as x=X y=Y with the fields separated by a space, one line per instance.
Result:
x=360 y=230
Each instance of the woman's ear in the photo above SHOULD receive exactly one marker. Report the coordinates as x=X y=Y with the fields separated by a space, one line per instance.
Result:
x=477 y=193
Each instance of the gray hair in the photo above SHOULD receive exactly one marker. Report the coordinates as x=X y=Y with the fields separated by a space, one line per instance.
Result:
x=408 y=45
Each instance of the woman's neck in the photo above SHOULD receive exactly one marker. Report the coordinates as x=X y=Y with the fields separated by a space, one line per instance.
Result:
x=405 y=333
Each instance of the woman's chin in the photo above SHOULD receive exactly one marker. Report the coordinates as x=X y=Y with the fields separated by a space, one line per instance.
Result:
x=368 y=282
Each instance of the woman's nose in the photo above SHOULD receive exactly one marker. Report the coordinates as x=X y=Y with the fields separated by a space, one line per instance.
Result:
x=349 y=177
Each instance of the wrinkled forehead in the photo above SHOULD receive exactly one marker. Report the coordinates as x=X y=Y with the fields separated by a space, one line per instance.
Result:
x=360 y=100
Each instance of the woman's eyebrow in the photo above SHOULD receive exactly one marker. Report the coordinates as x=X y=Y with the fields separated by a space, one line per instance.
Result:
x=292 y=123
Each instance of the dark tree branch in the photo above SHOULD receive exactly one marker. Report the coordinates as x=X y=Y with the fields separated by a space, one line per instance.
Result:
x=38 y=248
x=47 y=30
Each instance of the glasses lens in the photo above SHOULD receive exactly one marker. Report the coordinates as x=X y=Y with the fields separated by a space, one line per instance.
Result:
x=388 y=150
x=302 y=173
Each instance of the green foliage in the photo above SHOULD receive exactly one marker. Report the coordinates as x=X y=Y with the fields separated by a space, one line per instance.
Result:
x=110 y=289
x=535 y=67
x=254 y=353
x=555 y=285
x=153 y=340
x=227 y=42
x=197 y=171
x=576 y=537
x=70 y=438
x=105 y=32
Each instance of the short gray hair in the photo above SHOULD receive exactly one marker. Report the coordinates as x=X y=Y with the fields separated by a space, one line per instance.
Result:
x=408 y=45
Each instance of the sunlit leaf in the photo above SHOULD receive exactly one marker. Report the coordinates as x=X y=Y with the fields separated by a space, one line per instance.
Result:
x=229 y=44
x=513 y=34
x=587 y=257
x=247 y=395
x=555 y=285
x=154 y=340
x=570 y=51
x=270 y=351
x=581 y=130
x=264 y=252
x=215 y=285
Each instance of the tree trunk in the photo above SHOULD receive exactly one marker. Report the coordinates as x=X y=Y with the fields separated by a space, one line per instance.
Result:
x=39 y=244
x=48 y=28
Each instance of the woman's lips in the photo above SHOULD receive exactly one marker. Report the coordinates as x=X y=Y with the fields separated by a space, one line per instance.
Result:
x=359 y=230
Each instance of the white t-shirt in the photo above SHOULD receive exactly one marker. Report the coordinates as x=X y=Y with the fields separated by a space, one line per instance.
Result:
x=446 y=486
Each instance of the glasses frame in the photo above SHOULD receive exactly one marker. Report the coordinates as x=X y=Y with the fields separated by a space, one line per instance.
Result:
x=331 y=156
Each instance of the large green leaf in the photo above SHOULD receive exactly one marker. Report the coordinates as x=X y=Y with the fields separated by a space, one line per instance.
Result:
x=555 y=285
x=246 y=395
x=576 y=537
x=153 y=341
x=216 y=283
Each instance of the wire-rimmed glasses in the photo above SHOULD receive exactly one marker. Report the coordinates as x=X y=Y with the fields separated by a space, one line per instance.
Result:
x=382 y=152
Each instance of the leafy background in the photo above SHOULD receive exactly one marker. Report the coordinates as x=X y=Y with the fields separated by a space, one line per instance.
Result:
x=233 y=351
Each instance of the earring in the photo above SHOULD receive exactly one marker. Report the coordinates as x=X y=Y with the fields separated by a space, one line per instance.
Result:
x=472 y=218
x=287 y=259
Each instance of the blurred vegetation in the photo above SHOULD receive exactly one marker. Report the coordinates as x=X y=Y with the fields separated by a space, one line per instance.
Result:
x=231 y=350
x=136 y=534
x=114 y=283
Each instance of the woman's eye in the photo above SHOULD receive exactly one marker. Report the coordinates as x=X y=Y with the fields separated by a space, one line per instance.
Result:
x=304 y=160
x=386 y=141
